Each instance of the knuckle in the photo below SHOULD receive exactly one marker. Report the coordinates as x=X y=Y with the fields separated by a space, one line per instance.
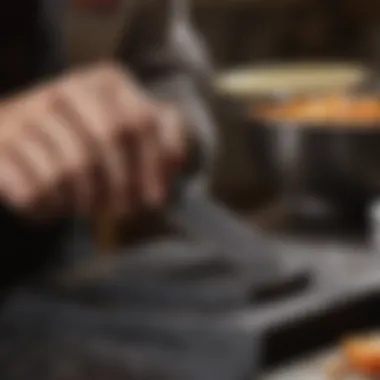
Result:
x=108 y=71
x=117 y=130
x=104 y=137
x=147 y=118
x=58 y=99
x=52 y=181
x=75 y=169
x=27 y=200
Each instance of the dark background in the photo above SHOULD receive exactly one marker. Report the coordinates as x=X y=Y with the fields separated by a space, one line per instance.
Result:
x=257 y=30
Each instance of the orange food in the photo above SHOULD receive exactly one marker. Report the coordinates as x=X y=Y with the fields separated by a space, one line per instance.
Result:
x=329 y=110
x=362 y=355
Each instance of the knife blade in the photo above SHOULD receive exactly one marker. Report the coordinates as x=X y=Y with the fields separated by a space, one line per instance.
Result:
x=204 y=219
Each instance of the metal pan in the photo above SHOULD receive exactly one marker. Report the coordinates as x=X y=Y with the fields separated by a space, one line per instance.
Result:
x=339 y=163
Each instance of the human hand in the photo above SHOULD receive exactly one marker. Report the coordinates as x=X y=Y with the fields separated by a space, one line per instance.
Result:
x=90 y=141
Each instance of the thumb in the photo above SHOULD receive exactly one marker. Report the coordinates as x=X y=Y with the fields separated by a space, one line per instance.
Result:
x=173 y=133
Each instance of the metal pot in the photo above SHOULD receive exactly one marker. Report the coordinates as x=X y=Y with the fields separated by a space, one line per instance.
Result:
x=340 y=164
x=242 y=88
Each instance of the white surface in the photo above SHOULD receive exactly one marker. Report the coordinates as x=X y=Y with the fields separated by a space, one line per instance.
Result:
x=291 y=78
x=374 y=222
x=310 y=368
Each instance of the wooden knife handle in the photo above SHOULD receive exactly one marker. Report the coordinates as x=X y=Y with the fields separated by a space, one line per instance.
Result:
x=106 y=233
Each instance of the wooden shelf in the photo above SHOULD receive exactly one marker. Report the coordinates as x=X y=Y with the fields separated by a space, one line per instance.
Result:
x=235 y=3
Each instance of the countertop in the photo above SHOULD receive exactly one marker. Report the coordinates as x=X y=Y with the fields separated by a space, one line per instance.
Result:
x=314 y=367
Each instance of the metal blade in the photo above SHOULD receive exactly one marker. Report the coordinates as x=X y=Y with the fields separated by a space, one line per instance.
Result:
x=204 y=219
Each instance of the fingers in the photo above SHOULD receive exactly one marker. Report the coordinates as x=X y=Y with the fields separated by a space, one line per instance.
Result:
x=95 y=143
x=172 y=138
x=29 y=169
x=37 y=164
x=72 y=162
x=123 y=135
x=89 y=120
x=151 y=165
x=14 y=185
x=162 y=152
x=157 y=146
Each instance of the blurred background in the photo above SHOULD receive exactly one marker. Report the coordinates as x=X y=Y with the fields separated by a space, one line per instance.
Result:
x=258 y=47
x=320 y=56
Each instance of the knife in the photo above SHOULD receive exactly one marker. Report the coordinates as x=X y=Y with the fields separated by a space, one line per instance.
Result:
x=248 y=248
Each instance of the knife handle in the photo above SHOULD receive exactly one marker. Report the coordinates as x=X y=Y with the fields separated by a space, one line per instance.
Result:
x=106 y=229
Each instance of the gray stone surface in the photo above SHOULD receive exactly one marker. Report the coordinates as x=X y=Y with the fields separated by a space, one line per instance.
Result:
x=314 y=367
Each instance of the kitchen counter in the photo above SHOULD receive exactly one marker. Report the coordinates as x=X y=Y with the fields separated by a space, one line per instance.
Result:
x=314 y=367
x=340 y=271
x=343 y=297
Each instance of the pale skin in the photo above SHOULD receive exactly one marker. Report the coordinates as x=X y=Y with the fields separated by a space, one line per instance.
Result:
x=89 y=141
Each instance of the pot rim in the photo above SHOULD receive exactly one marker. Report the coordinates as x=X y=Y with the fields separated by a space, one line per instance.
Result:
x=346 y=126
